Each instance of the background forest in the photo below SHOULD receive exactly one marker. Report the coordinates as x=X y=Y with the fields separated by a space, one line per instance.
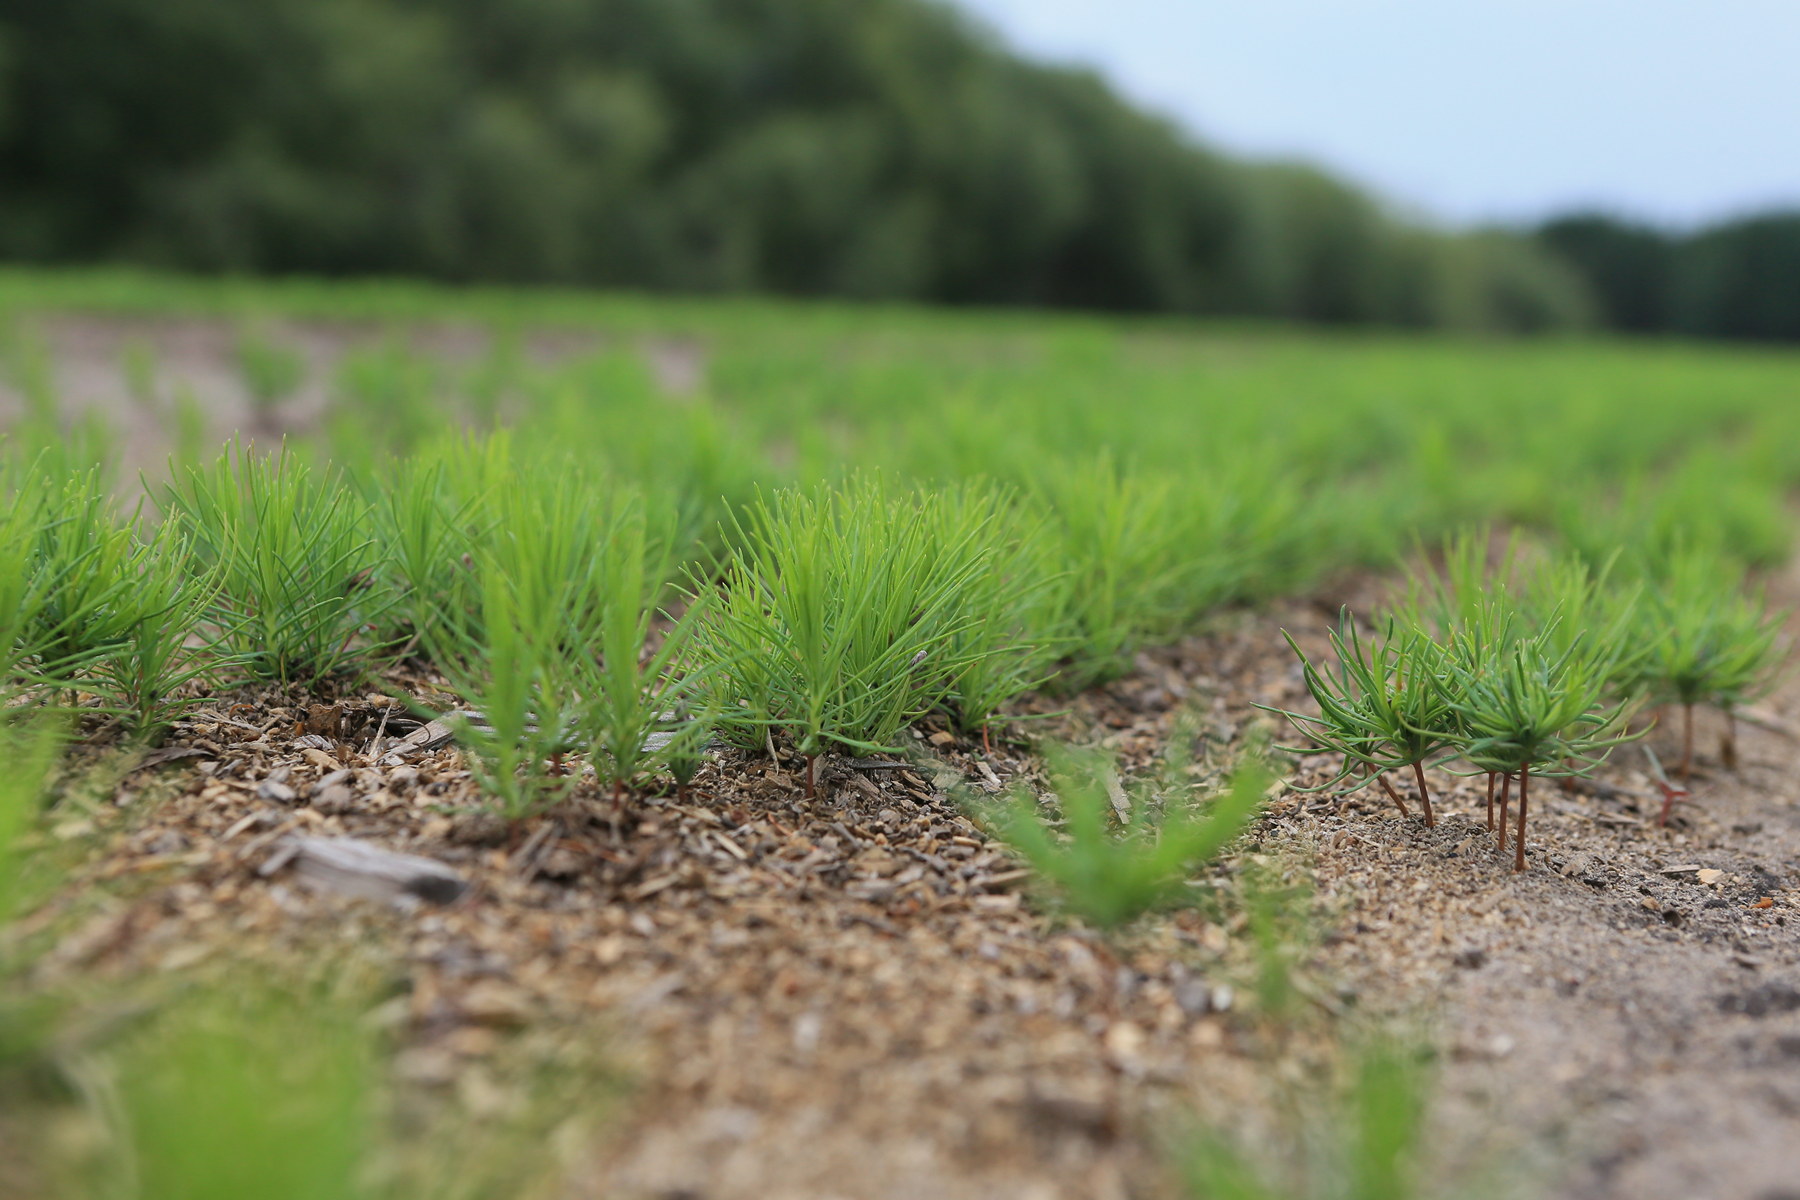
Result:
x=880 y=149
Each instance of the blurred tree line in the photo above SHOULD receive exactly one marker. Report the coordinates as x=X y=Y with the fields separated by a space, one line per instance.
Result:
x=1739 y=279
x=866 y=148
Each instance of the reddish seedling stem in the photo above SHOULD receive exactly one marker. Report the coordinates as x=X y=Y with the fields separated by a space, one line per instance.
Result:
x=1524 y=803
x=1728 y=743
x=1393 y=795
x=1424 y=795
x=1490 y=800
x=1671 y=794
x=812 y=761
x=1505 y=798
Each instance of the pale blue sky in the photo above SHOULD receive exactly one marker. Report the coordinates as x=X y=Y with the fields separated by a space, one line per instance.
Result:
x=1674 y=110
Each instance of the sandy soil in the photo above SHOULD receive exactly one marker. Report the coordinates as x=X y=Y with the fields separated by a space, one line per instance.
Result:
x=89 y=364
x=849 y=997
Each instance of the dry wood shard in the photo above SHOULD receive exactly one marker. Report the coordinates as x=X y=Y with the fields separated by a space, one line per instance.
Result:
x=351 y=867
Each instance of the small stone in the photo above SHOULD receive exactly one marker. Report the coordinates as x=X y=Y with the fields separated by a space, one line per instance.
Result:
x=494 y=1002
x=1194 y=996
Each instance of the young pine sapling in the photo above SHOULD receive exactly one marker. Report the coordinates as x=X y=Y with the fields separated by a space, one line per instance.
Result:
x=836 y=619
x=1382 y=707
x=1704 y=640
x=1108 y=878
x=1530 y=703
x=295 y=565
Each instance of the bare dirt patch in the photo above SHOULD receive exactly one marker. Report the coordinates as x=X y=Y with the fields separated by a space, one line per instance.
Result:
x=89 y=361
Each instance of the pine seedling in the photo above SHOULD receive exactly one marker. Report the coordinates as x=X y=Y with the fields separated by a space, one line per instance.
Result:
x=516 y=655
x=271 y=372
x=137 y=362
x=297 y=570
x=1365 y=1143
x=1017 y=608
x=1138 y=561
x=21 y=521
x=835 y=620
x=1382 y=707
x=1453 y=595
x=85 y=564
x=1111 y=879
x=1531 y=703
x=247 y=1090
x=1711 y=503
x=1704 y=640
x=139 y=678
x=427 y=535
x=107 y=612
x=683 y=746
x=627 y=684
x=1569 y=599
x=508 y=667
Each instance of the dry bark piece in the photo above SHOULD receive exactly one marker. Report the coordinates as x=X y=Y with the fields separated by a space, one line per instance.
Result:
x=157 y=758
x=428 y=736
x=352 y=867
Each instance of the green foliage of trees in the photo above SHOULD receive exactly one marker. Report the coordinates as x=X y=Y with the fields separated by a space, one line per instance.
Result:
x=1732 y=280
x=864 y=148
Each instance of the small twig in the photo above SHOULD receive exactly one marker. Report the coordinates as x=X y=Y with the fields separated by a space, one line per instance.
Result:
x=523 y=861
x=380 y=730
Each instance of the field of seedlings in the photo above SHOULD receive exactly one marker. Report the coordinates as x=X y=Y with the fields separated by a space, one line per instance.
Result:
x=485 y=744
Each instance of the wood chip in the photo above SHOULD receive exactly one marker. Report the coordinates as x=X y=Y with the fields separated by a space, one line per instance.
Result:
x=352 y=867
